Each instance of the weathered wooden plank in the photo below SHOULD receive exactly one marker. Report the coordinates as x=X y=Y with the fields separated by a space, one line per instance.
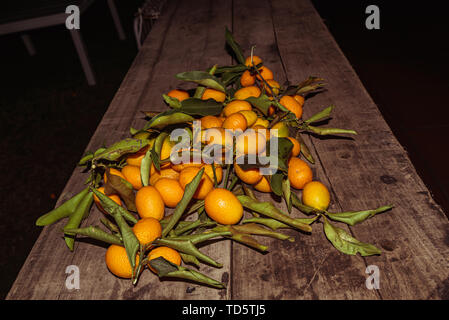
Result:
x=168 y=63
x=309 y=268
x=142 y=83
x=294 y=44
x=50 y=252
x=371 y=170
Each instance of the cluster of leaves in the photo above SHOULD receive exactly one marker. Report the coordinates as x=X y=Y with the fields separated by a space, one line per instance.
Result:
x=185 y=236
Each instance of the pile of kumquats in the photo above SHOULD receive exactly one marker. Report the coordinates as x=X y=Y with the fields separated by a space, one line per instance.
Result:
x=190 y=174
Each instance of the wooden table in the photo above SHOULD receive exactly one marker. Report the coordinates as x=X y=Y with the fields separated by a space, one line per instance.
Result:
x=368 y=171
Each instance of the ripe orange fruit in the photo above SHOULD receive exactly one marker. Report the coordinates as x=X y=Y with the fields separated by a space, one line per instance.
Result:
x=250 y=142
x=208 y=122
x=296 y=147
x=262 y=131
x=282 y=130
x=170 y=190
x=164 y=173
x=235 y=121
x=210 y=173
x=135 y=159
x=180 y=166
x=265 y=73
x=167 y=253
x=205 y=185
x=247 y=79
x=250 y=116
x=246 y=92
x=261 y=122
x=274 y=85
x=223 y=206
x=256 y=61
x=213 y=94
x=236 y=106
x=149 y=203
x=249 y=176
x=291 y=104
x=263 y=185
x=178 y=94
x=147 y=230
x=219 y=136
x=117 y=261
x=299 y=173
x=114 y=172
x=167 y=146
x=299 y=99
x=113 y=197
x=132 y=175
x=316 y=195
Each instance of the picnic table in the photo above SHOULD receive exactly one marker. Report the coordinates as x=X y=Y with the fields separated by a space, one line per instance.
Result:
x=367 y=171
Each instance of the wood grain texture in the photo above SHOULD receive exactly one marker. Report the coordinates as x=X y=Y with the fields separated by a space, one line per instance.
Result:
x=142 y=82
x=370 y=170
x=309 y=268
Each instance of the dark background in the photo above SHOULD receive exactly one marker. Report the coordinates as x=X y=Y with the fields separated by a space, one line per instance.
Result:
x=48 y=113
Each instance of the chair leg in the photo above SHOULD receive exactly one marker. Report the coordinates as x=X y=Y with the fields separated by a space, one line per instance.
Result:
x=116 y=18
x=82 y=54
x=28 y=44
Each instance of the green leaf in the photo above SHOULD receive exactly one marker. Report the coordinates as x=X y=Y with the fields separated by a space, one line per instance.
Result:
x=275 y=224
x=284 y=150
x=276 y=183
x=189 y=259
x=199 y=107
x=241 y=237
x=191 y=225
x=253 y=228
x=63 y=211
x=145 y=168
x=238 y=68
x=165 y=268
x=110 y=225
x=268 y=222
x=262 y=103
x=353 y=217
x=186 y=246
x=202 y=78
x=305 y=151
x=118 y=185
x=327 y=131
x=120 y=148
x=96 y=233
x=133 y=131
x=110 y=206
x=309 y=85
x=302 y=207
x=130 y=241
x=172 y=102
x=166 y=118
x=270 y=159
x=229 y=78
x=345 y=243
x=286 y=193
x=269 y=210
x=189 y=191
x=156 y=151
x=86 y=158
x=201 y=237
x=320 y=115
x=230 y=41
x=81 y=212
